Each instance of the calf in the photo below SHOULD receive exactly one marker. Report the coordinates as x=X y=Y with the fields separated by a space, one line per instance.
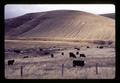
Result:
x=82 y=55
x=52 y=55
x=78 y=63
x=72 y=55
x=10 y=62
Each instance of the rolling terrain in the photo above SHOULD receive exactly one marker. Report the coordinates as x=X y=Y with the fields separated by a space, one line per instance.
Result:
x=31 y=39
x=111 y=15
x=61 y=24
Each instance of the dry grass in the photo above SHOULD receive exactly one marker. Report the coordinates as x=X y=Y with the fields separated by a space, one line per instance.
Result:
x=45 y=67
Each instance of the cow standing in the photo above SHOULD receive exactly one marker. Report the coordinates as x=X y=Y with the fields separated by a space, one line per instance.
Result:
x=52 y=55
x=77 y=53
x=16 y=51
x=78 y=63
x=88 y=47
x=82 y=55
x=77 y=48
x=25 y=57
x=72 y=55
x=101 y=47
x=10 y=62
x=62 y=53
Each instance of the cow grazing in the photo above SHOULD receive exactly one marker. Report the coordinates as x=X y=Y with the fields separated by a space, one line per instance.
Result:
x=40 y=49
x=52 y=55
x=46 y=53
x=77 y=48
x=10 y=62
x=72 y=55
x=88 y=47
x=101 y=47
x=77 y=53
x=25 y=57
x=82 y=55
x=16 y=51
x=78 y=63
x=62 y=53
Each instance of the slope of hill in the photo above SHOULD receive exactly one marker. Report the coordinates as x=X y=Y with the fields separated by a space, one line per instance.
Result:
x=111 y=15
x=62 y=24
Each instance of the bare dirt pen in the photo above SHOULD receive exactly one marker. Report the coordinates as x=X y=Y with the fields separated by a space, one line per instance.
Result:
x=42 y=66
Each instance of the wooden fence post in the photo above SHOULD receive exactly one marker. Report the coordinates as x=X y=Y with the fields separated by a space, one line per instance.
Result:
x=62 y=69
x=96 y=68
x=21 y=71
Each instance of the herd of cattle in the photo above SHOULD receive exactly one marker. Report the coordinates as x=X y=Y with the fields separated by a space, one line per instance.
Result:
x=76 y=62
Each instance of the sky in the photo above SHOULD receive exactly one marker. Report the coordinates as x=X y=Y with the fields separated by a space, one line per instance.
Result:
x=14 y=10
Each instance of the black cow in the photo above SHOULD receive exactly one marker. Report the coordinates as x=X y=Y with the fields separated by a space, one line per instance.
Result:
x=72 y=55
x=101 y=47
x=88 y=47
x=82 y=55
x=78 y=63
x=40 y=49
x=46 y=53
x=62 y=53
x=77 y=48
x=10 y=62
x=77 y=53
x=16 y=51
x=52 y=55
x=25 y=57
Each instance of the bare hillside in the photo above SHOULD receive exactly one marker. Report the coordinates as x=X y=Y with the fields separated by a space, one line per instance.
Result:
x=61 y=24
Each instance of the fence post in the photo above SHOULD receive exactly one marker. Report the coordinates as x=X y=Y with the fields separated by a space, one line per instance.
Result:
x=62 y=69
x=21 y=71
x=96 y=68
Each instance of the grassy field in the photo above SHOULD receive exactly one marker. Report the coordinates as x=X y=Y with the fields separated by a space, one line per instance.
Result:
x=38 y=66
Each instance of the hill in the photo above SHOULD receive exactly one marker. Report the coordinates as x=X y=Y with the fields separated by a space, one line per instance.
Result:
x=63 y=24
x=111 y=15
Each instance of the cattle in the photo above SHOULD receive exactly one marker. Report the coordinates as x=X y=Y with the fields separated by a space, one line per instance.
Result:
x=72 y=55
x=101 y=47
x=10 y=62
x=54 y=46
x=82 y=55
x=40 y=49
x=46 y=53
x=62 y=53
x=52 y=55
x=25 y=57
x=16 y=51
x=77 y=48
x=78 y=63
x=77 y=53
x=88 y=47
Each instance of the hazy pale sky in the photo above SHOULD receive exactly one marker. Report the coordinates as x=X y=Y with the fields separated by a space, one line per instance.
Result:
x=14 y=10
